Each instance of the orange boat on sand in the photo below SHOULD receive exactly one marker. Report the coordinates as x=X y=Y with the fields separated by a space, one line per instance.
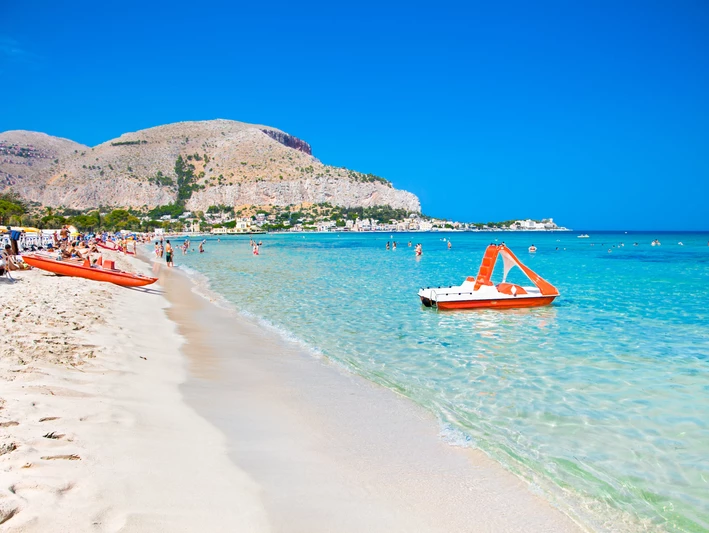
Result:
x=480 y=292
x=101 y=271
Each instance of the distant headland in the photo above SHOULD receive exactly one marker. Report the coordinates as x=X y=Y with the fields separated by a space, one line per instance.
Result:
x=218 y=175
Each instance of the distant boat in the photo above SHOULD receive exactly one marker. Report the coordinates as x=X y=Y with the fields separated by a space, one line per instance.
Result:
x=480 y=292
x=583 y=236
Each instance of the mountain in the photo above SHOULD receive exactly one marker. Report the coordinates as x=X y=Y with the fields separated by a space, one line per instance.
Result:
x=201 y=163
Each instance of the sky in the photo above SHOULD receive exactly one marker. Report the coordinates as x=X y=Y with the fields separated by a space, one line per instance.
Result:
x=595 y=113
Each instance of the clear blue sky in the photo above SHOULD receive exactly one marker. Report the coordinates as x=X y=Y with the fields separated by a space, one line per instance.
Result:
x=595 y=113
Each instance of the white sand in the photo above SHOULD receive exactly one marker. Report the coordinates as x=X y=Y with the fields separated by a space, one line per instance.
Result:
x=98 y=367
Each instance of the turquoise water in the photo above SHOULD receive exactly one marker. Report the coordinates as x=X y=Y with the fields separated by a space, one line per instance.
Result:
x=601 y=401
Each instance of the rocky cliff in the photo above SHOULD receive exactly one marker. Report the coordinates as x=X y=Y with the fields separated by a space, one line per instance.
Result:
x=204 y=163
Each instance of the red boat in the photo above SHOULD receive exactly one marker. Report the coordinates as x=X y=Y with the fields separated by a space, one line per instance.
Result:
x=102 y=271
x=110 y=245
x=480 y=292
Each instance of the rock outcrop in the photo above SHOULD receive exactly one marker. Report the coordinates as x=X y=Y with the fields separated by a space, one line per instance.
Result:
x=229 y=163
x=289 y=141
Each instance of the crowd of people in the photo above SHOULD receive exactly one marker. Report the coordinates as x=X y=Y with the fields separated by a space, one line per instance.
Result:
x=62 y=244
x=418 y=249
x=163 y=248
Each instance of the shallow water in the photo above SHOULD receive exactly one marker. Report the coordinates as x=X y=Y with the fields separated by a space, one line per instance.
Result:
x=601 y=400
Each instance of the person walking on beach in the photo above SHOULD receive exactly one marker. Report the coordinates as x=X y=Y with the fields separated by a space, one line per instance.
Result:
x=15 y=236
x=168 y=254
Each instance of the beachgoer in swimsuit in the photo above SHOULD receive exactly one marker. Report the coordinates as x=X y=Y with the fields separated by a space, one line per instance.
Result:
x=168 y=254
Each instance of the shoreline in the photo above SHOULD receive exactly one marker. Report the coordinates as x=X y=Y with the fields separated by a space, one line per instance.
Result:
x=144 y=410
x=332 y=451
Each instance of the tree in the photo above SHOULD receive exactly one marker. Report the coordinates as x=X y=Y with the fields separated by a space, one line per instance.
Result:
x=121 y=219
x=10 y=206
x=52 y=222
x=85 y=222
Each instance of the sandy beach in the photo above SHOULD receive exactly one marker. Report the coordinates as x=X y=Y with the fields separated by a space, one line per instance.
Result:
x=94 y=435
x=155 y=410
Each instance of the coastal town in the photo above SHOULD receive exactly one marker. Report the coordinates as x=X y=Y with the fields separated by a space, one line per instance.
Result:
x=325 y=218
x=309 y=221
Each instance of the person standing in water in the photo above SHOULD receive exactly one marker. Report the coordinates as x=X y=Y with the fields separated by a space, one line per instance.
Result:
x=168 y=254
x=201 y=246
x=449 y=244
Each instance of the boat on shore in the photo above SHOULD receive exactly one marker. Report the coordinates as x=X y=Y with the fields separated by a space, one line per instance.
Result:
x=480 y=292
x=100 y=271
x=112 y=246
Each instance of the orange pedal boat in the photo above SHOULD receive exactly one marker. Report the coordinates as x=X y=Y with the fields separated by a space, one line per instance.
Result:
x=102 y=271
x=480 y=292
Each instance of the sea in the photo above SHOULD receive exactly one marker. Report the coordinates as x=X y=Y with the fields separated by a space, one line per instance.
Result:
x=599 y=401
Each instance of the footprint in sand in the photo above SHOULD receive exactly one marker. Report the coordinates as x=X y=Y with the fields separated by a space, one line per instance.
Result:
x=25 y=488
x=54 y=435
x=7 y=512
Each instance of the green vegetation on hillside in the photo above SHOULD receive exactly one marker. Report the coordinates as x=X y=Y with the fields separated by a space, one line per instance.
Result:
x=161 y=180
x=174 y=210
x=11 y=209
x=220 y=208
x=366 y=178
x=186 y=180
x=128 y=143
